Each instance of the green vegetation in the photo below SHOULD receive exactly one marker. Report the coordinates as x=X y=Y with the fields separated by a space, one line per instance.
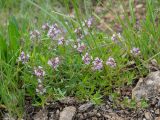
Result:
x=60 y=52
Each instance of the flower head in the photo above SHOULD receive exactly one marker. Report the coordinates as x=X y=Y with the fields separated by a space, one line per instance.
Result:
x=111 y=62
x=39 y=72
x=45 y=26
x=54 y=62
x=61 y=41
x=81 y=47
x=135 y=51
x=24 y=58
x=97 y=64
x=89 y=22
x=87 y=59
x=34 y=34
x=53 y=31
x=116 y=37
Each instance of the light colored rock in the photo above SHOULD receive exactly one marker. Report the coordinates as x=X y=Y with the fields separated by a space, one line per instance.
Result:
x=112 y=116
x=85 y=107
x=41 y=115
x=157 y=112
x=147 y=87
x=148 y=115
x=68 y=113
x=157 y=118
x=68 y=100
x=139 y=6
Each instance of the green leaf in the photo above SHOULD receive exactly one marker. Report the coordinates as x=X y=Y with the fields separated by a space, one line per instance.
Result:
x=14 y=35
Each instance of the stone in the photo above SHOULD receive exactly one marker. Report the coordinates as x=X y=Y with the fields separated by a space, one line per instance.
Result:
x=41 y=115
x=98 y=115
x=158 y=104
x=68 y=100
x=107 y=106
x=157 y=118
x=148 y=87
x=139 y=6
x=68 y=113
x=157 y=111
x=80 y=116
x=148 y=115
x=85 y=107
x=94 y=118
x=112 y=116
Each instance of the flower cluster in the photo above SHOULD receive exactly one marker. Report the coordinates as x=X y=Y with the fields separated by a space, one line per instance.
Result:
x=54 y=62
x=97 y=64
x=61 y=41
x=53 y=31
x=24 y=58
x=111 y=62
x=87 y=59
x=34 y=34
x=116 y=37
x=40 y=88
x=39 y=72
x=80 y=47
x=89 y=22
x=135 y=51
x=45 y=26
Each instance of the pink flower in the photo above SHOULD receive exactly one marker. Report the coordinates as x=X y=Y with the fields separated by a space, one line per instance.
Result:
x=89 y=22
x=61 y=41
x=116 y=37
x=39 y=72
x=24 y=58
x=54 y=62
x=135 y=51
x=81 y=47
x=53 y=31
x=87 y=59
x=111 y=62
x=34 y=34
x=45 y=26
x=97 y=64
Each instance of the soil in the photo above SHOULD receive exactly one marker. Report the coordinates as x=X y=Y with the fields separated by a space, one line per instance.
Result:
x=88 y=111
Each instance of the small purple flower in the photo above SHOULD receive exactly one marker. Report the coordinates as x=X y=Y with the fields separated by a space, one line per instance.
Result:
x=54 y=62
x=80 y=47
x=39 y=72
x=61 y=41
x=97 y=64
x=116 y=37
x=34 y=34
x=89 y=22
x=87 y=59
x=53 y=31
x=45 y=26
x=113 y=38
x=135 y=51
x=111 y=62
x=24 y=58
